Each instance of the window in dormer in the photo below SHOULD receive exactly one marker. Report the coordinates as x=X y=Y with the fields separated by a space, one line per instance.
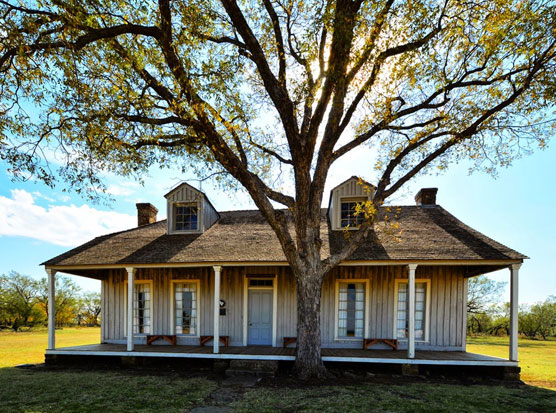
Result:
x=347 y=213
x=186 y=217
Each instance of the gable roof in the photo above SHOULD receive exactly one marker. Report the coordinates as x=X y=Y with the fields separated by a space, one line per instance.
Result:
x=244 y=236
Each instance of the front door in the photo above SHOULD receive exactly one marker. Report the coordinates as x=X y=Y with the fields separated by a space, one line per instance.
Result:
x=260 y=318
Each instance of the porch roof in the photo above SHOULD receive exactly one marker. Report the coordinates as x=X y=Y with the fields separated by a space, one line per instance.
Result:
x=422 y=233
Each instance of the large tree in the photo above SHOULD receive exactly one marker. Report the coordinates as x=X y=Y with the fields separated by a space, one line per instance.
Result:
x=250 y=88
x=19 y=300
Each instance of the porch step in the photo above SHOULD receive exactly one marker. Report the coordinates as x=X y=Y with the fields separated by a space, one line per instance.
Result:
x=257 y=368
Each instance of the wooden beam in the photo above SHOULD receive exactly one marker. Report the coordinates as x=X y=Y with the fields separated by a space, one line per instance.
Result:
x=514 y=310
x=216 y=333
x=130 y=284
x=411 y=311
x=51 y=308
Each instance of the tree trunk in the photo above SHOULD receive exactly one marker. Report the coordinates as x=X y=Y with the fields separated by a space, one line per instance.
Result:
x=308 y=362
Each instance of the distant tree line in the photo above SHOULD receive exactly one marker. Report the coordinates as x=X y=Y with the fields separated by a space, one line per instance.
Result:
x=24 y=303
x=486 y=314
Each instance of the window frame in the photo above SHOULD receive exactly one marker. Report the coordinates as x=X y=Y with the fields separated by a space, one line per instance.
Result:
x=339 y=281
x=173 y=306
x=173 y=211
x=426 y=333
x=151 y=307
x=346 y=199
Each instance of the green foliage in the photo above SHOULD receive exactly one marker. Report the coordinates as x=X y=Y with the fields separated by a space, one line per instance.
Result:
x=89 y=309
x=539 y=320
x=18 y=301
x=67 y=300
x=24 y=302
x=118 y=89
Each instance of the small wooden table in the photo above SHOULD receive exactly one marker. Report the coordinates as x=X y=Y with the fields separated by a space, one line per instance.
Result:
x=289 y=340
x=392 y=342
x=223 y=339
x=170 y=338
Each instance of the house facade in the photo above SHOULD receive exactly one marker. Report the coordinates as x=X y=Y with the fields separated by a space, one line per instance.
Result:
x=220 y=278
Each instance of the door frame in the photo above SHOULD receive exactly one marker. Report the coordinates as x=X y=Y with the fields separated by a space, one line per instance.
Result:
x=246 y=289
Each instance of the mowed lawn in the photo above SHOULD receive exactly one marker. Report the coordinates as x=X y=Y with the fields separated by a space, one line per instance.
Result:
x=114 y=390
x=537 y=358
x=29 y=346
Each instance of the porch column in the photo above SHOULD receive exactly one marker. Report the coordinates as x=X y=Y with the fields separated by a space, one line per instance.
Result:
x=411 y=311
x=514 y=309
x=51 y=308
x=216 y=333
x=130 y=283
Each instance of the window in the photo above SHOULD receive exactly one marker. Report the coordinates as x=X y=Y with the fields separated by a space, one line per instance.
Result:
x=347 y=213
x=185 y=308
x=142 y=308
x=186 y=217
x=421 y=291
x=261 y=283
x=351 y=310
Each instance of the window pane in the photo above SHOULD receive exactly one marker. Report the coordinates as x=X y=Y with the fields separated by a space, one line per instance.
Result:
x=351 y=309
x=347 y=214
x=420 y=308
x=185 y=306
x=186 y=217
x=141 y=309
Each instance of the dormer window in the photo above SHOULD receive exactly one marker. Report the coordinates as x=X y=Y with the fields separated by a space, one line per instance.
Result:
x=343 y=203
x=348 y=216
x=186 y=217
x=189 y=211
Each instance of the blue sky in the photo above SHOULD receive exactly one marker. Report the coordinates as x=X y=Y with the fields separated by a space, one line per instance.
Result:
x=516 y=209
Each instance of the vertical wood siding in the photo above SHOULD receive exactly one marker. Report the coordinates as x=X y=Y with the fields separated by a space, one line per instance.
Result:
x=448 y=300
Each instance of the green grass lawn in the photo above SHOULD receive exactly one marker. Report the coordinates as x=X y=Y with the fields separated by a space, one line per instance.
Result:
x=407 y=397
x=29 y=346
x=57 y=390
x=40 y=390
x=537 y=358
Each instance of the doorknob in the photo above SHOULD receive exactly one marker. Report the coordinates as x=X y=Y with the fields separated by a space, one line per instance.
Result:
x=250 y=324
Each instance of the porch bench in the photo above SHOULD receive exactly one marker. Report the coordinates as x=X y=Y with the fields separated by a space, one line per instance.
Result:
x=223 y=339
x=289 y=340
x=392 y=342
x=170 y=338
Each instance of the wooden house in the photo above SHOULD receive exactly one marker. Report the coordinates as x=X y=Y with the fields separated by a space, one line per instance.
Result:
x=209 y=284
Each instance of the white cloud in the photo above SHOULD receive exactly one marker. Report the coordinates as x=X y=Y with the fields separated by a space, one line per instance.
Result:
x=128 y=188
x=61 y=225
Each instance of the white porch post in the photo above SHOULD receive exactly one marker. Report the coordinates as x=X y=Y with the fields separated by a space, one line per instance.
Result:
x=216 y=333
x=411 y=311
x=514 y=309
x=130 y=283
x=51 y=308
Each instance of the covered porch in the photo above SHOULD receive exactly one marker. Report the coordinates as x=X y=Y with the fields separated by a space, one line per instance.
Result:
x=337 y=355
x=236 y=294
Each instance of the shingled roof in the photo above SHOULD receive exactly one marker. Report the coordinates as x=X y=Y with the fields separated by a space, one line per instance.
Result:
x=422 y=233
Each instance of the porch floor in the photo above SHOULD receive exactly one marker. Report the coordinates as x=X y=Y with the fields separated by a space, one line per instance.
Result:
x=458 y=358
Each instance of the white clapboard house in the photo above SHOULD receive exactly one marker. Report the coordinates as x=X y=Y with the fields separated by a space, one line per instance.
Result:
x=210 y=284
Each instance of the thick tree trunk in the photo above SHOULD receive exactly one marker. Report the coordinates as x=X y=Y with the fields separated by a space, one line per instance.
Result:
x=308 y=362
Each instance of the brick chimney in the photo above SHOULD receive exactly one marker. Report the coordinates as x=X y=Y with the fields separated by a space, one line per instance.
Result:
x=426 y=197
x=146 y=214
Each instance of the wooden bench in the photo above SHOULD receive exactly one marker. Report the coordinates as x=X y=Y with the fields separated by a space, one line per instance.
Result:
x=289 y=340
x=392 y=342
x=223 y=339
x=168 y=337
